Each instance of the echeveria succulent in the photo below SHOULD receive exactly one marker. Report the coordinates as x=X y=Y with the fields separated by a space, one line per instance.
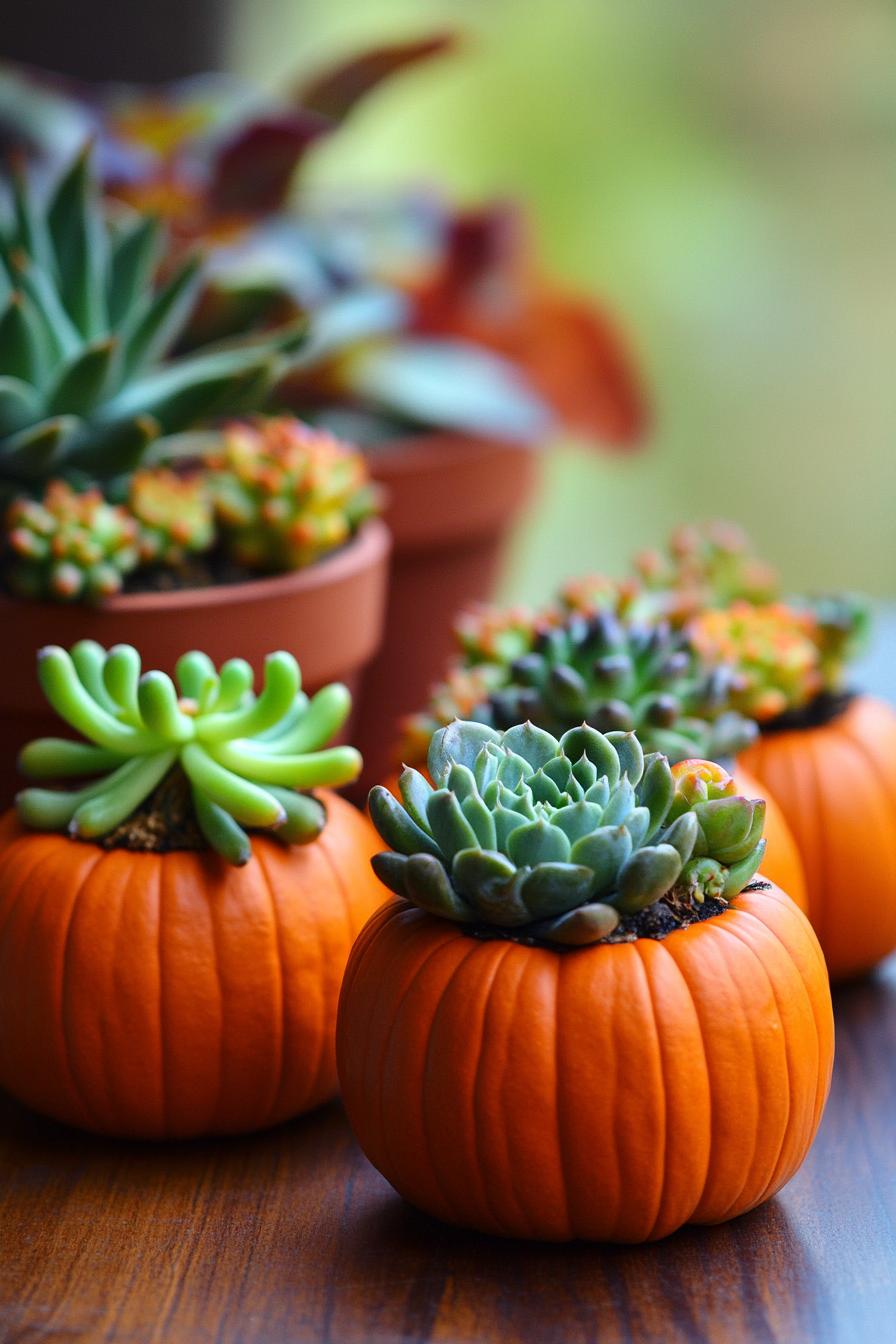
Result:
x=708 y=565
x=244 y=756
x=558 y=840
x=605 y=671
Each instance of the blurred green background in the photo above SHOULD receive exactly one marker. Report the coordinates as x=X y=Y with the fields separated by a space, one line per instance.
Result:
x=723 y=172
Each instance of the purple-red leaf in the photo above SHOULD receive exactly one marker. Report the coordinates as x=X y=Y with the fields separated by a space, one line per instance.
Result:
x=334 y=93
x=255 y=168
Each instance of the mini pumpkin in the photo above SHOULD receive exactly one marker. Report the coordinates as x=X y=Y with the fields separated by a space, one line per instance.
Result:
x=827 y=758
x=581 y=1019
x=163 y=975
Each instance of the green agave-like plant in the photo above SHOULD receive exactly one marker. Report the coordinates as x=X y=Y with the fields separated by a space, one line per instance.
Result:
x=558 y=840
x=85 y=331
x=614 y=674
x=245 y=756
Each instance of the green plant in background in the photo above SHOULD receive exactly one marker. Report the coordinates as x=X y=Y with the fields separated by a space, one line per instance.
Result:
x=69 y=546
x=560 y=840
x=174 y=514
x=284 y=494
x=86 y=334
x=244 y=756
x=606 y=671
x=705 y=565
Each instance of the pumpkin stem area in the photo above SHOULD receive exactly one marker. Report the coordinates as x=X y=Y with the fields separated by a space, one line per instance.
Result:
x=824 y=708
x=164 y=822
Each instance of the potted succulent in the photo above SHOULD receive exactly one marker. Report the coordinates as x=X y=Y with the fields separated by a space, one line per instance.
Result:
x=815 y=730
x=118 y=519
x=436 y=343
x=173 y=933
x=613 y=669
x=582 y=1018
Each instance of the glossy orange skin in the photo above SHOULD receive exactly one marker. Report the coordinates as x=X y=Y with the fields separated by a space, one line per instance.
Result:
x=836 y=786
x=167 y=996
x=610 y=1093
x=781 y=863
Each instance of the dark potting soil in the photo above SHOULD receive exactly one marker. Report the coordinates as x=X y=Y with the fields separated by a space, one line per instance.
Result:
x=164 y=822
x=826 y=707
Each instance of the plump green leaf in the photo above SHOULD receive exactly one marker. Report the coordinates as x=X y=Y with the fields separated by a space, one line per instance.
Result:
x=461 y=742
x=604 y=852
x=646 y=876
x=579 y=928
x=450 y=828
x=391 y=869
x=597 y=748
x=398 y=830
x=578 y=819
x=538 y=842
x=429 y=886
x=533 y=744
x=554 y=887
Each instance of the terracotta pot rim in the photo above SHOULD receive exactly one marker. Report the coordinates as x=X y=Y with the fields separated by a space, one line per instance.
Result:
x=418 y=452
x=372 y=541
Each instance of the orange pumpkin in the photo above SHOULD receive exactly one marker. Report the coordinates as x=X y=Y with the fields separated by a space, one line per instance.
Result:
x=782 y=863
x=836 y=786
x=171 y=995
x=612 y=1092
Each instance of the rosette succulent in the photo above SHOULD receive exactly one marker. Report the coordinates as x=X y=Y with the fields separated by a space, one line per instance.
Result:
x=711 y=565
x=85 y=335
x=246 y=759
x=285 y=493
x=69 y=546
x=775 y=650
x=561 y=841
x=607 y=672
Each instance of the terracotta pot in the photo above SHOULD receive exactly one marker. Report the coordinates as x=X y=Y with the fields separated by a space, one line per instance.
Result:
x=451 y=504
x=330 y=616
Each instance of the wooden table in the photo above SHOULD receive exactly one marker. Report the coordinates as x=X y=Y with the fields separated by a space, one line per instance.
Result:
x=292 y=1236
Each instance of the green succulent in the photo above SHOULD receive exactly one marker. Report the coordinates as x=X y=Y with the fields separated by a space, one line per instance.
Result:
x=85 y=331
x=559 y=840
x=616 y=675
x=68 y=546
x=244 y=756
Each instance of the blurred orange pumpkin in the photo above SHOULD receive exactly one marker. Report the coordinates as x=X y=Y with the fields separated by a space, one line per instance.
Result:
x=171 y=995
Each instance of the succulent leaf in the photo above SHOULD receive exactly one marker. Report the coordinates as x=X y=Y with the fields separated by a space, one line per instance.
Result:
x=522 y=833
x=140 y=727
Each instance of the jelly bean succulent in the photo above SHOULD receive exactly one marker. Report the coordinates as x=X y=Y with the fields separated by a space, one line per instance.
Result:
x=285 y=493
x=174 y=514
x=611 y=673
x=86 y=331
x=708 y=565
x=559 y=841
x=69 y=546
x=247 y=759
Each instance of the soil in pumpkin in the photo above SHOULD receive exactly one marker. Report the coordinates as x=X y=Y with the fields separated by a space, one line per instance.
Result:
x=665 y=916
x=827 y=706
x=163 y=823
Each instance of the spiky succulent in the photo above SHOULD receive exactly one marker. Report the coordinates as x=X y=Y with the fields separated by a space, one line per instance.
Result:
x=85 y=330
x=285 y=493
x=244 y=756
x=68 y=546
x=707 y=565
x=604 y=671
x=174 y=514
x=558 y=840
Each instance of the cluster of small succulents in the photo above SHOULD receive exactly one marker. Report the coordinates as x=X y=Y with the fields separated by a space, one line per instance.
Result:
x=709 y=565
x=93 y=405
x=603 y=670
x=246 y=758
x=285 y=494
x=558 y=841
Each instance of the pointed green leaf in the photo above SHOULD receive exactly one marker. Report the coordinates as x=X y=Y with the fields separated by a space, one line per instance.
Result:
x=579 y=928
x=538 y=842
x=19 y=405
x=552 y=888
x=391 y=869
x=135 y=253
x=155 y=327
x=459 y=742
x=533 y=744
x=599 y=750
x=450 y=828
x=82 y=380
x=429 y=887
x=647 y=876
x=415 y=792
x=398 y=830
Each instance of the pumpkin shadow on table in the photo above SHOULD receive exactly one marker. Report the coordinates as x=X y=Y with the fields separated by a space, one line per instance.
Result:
x=750 y=1278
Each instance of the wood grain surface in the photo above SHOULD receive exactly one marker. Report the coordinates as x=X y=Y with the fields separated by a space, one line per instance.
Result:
x=292 y=1236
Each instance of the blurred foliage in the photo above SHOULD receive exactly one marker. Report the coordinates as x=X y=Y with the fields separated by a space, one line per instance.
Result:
x=720 y=170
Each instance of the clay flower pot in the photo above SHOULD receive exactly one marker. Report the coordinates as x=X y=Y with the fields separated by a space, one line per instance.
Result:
x=451 y=503
x=330 y=616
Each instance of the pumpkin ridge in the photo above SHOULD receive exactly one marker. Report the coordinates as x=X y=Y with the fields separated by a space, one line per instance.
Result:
x=824 y=1088
x=163 y=1054
x=728 y=931
x=388 y=1037
x=213 y=909
x=663 y=1090
x=278 y=933
x=67 y=1048
x=321 y=950
x=105 y=1051
x=525 y=964
x=432 y=1149
x=864 y=749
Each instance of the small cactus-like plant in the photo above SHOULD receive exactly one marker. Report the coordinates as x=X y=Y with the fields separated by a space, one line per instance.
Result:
x=174 y=514
x=286 y=494
x=607 y=672
x=247 y=759
x=559 y=840
x=69 y=546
